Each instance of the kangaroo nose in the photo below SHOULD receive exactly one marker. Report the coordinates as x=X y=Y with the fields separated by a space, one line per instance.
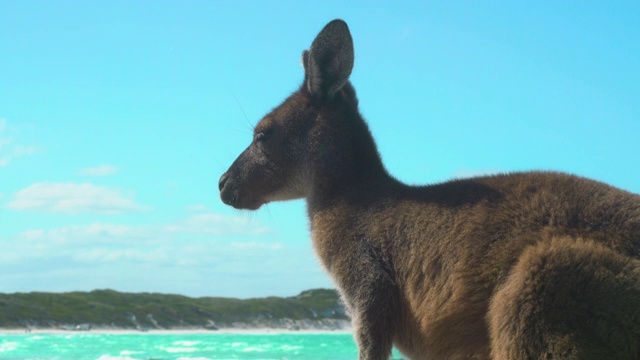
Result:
x=223 y=180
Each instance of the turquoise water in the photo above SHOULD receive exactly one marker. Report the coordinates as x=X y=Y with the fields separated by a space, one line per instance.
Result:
x=177 y=346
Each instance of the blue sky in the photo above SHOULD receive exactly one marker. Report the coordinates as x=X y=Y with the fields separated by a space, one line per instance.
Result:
x=117 y=118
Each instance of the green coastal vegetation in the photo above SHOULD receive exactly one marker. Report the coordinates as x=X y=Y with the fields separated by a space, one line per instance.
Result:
x=311 y=309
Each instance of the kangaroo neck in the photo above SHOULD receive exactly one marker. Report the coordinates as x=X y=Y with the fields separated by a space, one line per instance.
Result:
x=352 y=176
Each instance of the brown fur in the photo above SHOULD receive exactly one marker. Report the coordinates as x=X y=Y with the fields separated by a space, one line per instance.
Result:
x=535 y=265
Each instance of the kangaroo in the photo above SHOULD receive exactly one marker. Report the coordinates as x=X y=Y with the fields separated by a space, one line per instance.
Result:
x=530 y=265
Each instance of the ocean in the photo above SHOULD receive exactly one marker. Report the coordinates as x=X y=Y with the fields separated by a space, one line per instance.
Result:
x=146 y=346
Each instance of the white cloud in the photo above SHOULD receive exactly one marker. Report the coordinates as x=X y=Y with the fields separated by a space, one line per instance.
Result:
x=86 y=243
x=72 y=198
x=219 y=225
x=109 y=243
x=197 y=208
x=256 y=245
x=8 y=150
x=187 y=259
x=20 y=151
x=108 y=255
x=4 y=143
x=102 y=170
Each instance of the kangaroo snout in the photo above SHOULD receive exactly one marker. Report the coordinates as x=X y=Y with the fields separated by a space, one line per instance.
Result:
x=226 y=195
x=234 y=192
x=222 y=181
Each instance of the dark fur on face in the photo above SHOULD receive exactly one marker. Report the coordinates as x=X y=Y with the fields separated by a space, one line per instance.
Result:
x=536 y=265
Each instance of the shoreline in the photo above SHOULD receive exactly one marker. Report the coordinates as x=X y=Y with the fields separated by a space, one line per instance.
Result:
x=179 y=331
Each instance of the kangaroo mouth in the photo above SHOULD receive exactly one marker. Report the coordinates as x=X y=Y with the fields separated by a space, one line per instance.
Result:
x=229 y=198
x=230 y=195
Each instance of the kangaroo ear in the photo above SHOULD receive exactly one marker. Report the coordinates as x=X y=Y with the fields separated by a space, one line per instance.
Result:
x=329 y=61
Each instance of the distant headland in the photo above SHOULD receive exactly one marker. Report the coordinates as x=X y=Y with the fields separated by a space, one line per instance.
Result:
x=311 y=310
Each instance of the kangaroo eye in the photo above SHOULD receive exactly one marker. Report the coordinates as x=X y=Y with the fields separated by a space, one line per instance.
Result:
x=262 y=136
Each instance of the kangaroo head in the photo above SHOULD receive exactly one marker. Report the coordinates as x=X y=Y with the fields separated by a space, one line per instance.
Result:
x=294 y=139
